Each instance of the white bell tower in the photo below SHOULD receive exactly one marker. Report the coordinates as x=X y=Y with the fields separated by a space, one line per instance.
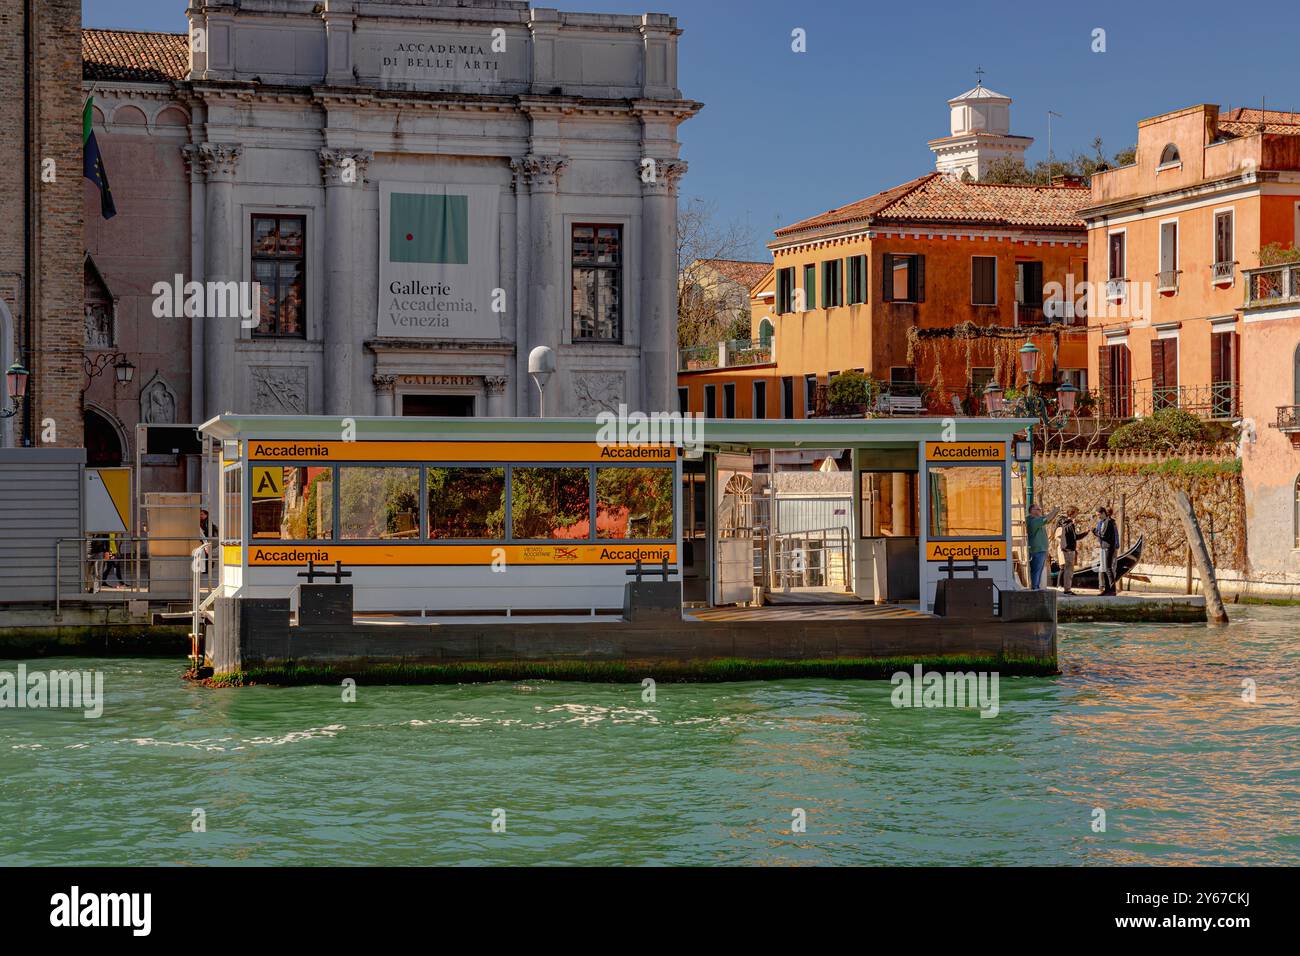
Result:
x=980 y=133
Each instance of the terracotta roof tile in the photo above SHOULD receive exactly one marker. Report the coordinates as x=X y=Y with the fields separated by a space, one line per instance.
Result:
x=1244 y=121
x=134 y=56
x=744 y=272
x=937 y=198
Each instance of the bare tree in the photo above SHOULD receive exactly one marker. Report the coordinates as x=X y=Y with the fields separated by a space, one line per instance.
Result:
x=707 y=311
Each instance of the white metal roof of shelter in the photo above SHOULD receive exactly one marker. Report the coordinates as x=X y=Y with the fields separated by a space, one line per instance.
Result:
x=713 y=432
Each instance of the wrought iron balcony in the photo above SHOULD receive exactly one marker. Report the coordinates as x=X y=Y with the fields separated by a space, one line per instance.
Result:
x=1288 y=418
x=1218 y=400
x=1115 y=289
x=1167 y=280
x=1223 y=273
x=1272 y=286
x=1030 y=314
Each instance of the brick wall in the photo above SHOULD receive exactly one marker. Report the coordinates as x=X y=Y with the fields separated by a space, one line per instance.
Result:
x=56 y=303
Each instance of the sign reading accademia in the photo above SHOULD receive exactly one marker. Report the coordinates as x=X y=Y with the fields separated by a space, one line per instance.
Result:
x=965 y=451
x=438 y=261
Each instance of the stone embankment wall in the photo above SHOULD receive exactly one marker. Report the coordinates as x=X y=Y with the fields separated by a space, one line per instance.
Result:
x=1138 y=487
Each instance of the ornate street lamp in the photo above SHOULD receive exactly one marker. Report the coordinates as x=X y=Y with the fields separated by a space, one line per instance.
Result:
x=1029 y=359
x=125 y=371
x=993 y=397
x=1065 y=396
x=16 y=387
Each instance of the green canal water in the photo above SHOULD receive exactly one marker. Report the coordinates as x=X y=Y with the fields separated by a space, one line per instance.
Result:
x=1146 y=723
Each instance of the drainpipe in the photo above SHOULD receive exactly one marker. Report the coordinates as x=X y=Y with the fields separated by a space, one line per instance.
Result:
x=29 y=433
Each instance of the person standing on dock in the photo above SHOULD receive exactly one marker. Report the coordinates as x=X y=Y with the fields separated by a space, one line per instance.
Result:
x=1107 y=533
x=1037 y=523
x=1068 y=536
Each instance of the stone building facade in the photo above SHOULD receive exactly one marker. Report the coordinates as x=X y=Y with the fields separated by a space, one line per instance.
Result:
x=41 y=210
x=424 y=190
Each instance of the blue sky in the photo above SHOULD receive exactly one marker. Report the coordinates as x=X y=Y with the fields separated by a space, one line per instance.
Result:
x=786 y=135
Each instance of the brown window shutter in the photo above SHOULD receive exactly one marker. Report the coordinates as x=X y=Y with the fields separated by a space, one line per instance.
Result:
x=887 y=278
x=920 y=278
x=1157 y=363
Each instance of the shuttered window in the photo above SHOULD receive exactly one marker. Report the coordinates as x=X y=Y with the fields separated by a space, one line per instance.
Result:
x=810 y=287
x=1164 y=374
x=903 y=278
x=857 y=280
x=984 y=280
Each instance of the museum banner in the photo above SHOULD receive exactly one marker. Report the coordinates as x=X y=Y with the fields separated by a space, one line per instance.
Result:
x=438 y=261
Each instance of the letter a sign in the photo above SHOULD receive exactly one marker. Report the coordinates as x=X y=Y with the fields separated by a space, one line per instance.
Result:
x=268 y=482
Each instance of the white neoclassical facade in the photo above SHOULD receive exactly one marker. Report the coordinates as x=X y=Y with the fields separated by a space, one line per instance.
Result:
x=425 y=191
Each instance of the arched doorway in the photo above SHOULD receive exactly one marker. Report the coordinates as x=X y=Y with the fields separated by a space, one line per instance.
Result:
x=103 y=443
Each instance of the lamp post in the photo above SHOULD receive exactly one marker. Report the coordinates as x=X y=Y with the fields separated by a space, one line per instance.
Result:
x=541 y=366
x=15 y=388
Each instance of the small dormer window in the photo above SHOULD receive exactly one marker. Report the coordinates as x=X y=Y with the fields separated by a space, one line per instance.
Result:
x=1169 y=156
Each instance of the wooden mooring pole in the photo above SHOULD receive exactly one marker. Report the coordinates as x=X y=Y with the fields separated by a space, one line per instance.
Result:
x=1214 y=610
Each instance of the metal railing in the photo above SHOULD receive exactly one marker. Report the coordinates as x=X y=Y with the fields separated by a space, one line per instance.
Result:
x=810 y=559
x=140 y=574
x=1223 y=272
x=1167 y=280
x=1218 y=400
x=734 y=353
x=1115 y=289
x=1030 y=314
x=1288 y=418
x=1272 y=286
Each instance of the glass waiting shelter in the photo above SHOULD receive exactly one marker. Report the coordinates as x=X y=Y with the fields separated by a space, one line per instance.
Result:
x=500 y=515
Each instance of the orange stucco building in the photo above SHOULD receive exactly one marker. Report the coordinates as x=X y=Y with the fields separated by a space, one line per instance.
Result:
x=935 y=253
x=1181 y=312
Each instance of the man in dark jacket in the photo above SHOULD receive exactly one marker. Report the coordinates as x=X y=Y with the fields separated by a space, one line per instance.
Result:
x=1107 y=533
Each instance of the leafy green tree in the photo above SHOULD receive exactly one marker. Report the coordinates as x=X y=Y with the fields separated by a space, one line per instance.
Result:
x=1165 y=430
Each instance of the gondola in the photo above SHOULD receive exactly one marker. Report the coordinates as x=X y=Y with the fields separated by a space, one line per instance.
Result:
x=1087 y=578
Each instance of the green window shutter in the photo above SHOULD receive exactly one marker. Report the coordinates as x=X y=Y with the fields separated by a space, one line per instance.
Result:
x=886 y=278
x=810 y=287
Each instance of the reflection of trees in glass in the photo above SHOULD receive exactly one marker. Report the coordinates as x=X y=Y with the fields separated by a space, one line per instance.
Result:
x=545 y=502
x=379 y=502
x=467 y=502
x=637 y=502
x=320 y=506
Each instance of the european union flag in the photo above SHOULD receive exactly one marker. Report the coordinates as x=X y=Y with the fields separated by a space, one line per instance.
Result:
x=92 y=163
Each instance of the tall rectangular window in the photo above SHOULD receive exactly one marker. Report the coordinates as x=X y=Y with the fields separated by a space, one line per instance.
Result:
x=809 y=287
x=279 y=267
x=1116 y=381
x=984 y=280
x=710 y=401
x=1164 y=374
x=760 y=399
x=1224 y=248
x=787 y=396
x=1116 y=256
x=1168 y=254
x=1029 y=283
x=858 y=280
x=832 y=283
x=1224 y=374
x=785 y=290
x=809 y=395
x=597 y=283
x=729 y=400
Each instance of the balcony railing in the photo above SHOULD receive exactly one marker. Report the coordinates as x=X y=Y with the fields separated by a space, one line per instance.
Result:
x=1219 y=400
x=1115 y=289
x=1030 y=314
x=1167 y=280
x=1272 y=286
x=1222 y=273
x=737 y=353
x=1288 y=418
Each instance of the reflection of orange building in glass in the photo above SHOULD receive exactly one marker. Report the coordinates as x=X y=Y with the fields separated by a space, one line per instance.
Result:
x=930 y=288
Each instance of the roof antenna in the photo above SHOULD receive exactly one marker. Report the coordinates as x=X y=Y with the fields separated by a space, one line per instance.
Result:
x=979 y=77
